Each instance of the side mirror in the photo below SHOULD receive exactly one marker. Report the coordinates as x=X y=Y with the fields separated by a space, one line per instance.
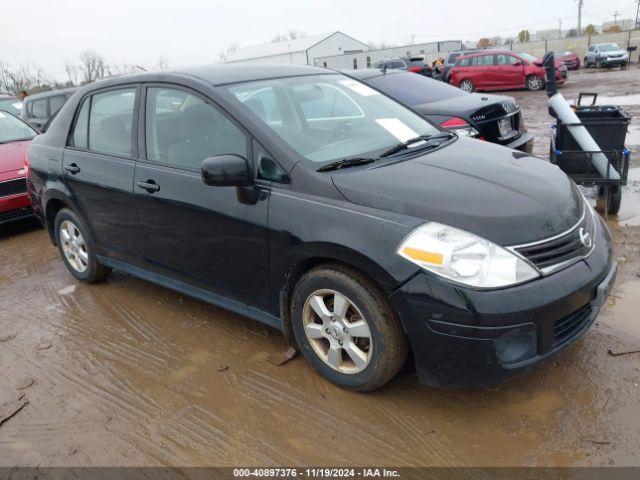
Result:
x=226 y=171
x=517 y=63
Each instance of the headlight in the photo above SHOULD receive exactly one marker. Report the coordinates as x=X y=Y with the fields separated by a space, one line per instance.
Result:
x=464 y=257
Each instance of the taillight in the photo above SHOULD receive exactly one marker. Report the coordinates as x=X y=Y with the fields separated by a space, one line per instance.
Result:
x=414 y=69
x=459 y=126
x=27 y=165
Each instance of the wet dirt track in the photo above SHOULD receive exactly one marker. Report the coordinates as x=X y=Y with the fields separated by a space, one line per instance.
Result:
x=129 y=373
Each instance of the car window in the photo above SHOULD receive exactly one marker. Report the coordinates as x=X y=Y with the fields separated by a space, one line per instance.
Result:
x=325 y=102
x=397 y=64
x=609 y=47
x=79 y=135
x=415 y=89
x=190 y=133
x=465 y=62
x=482 y=61
x=264 y=104
x=56 y=102
x=452 y=57
x=12 y=129
x=111 y=121
x=326 y=117
x=39 y=108
x=506 y=59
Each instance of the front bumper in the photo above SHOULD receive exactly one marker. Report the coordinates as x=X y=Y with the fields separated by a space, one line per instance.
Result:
x=471 y=338
x=524 y=142
x=14 y=208
x=609 y=62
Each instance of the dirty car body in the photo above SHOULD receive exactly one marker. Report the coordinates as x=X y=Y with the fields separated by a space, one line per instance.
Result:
x=330 y=193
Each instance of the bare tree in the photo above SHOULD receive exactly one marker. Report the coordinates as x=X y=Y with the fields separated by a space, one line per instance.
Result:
x=380 y=45
x=163 y=64
x=72 y=72
x=25 y=77
x=223 y=55
x=290 y=35
x=92 y=66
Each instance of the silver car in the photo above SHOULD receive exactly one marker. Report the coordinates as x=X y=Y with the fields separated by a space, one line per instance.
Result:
x=606 y=55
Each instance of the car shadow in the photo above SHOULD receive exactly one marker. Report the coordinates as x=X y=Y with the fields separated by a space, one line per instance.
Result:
x=19 y=227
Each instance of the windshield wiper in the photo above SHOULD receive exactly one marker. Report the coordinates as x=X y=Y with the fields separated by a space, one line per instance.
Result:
x=422 y=138
x=345 y=163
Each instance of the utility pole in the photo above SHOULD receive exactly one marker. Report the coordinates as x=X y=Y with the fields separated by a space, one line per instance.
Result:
x=637 y=12
x=615 y=18
x=560 y=27
x=580 y=5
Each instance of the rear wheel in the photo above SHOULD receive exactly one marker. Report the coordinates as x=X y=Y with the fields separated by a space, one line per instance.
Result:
x=346 y=329
x=609 y=199
x=534 y=82
x=77 y=249
x=467 y=85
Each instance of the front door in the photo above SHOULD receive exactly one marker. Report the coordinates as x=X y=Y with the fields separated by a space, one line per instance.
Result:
x=98 y=166
x=211 y=237
x=509 y=71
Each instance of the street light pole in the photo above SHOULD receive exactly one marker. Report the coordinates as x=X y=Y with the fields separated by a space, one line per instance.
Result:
x=580 y=5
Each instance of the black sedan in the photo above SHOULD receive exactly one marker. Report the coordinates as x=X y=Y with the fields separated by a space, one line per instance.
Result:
x=494 y=118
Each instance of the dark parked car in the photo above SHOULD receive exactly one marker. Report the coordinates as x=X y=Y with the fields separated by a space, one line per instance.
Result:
x=414 y=65
x=606 y=55
x=38 y=109
x=494 y=118
x=15 y=137
x=311 y=202
x=569 y=59
x=10 y=104
x=450 y=61
x=502 y=70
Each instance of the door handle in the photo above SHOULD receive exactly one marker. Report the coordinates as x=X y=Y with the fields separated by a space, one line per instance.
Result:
x=150 y=186
x=72 y=169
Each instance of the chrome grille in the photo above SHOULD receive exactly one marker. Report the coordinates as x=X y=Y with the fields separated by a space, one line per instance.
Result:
x=553 y=253
x=13 y=187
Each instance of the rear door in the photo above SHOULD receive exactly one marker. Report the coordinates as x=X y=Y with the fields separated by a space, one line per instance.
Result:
x=212 y=237
x=508 y=71
x=98 y=167
x=484 y=71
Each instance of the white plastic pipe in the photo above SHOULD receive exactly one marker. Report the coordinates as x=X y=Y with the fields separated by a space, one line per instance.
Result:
x=581 y=134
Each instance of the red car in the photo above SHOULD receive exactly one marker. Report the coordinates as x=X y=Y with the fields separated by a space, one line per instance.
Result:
x=570 y=60
x=501 y=70
x=15 y=137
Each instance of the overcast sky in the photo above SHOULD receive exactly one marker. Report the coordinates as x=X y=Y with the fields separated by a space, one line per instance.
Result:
x=192 y=32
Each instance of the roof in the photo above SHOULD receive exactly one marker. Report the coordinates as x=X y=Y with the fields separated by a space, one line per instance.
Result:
x=279 y=48
x=368 y=73
x=50 y=93
x=216 y=74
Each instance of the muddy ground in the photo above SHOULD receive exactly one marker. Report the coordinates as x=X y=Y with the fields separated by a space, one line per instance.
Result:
x=129 y=373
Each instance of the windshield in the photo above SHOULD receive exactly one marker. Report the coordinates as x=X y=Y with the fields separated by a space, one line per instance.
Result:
x=415 y=89
x=12 y=129
x=528 y=57
x=330 y=117
x=11 y=105
x=609 y=47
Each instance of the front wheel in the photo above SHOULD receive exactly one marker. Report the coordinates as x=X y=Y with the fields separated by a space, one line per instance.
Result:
x=534 y=82
x=346 y=329
x=586 y=63
x=77 y=249
x=598 y=63
x=467 y=85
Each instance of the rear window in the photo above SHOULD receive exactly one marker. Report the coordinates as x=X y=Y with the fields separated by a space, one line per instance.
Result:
x=39 y=108
x=56 y=102
x=415 y=89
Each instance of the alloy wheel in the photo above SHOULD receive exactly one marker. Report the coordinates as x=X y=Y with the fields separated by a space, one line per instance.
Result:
x=467 y=86
x=74 y=246
x=535 y=82
x=337 y=331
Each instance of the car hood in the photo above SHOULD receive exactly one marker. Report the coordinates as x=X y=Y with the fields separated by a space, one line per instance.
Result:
x=505 y=196
x=463 y=105
x=12 y=155
x=613 y=52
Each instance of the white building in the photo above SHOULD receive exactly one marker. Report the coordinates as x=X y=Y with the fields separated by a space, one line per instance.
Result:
x=624 y=24
x=358 y=60
x=300 y=51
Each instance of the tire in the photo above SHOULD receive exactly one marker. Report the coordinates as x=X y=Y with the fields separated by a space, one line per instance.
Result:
x=613 y=202
x=585 y=63
x=535 y=83
x=467 y=85
x=598 y=64
x=77 y=248
x=380 y=355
